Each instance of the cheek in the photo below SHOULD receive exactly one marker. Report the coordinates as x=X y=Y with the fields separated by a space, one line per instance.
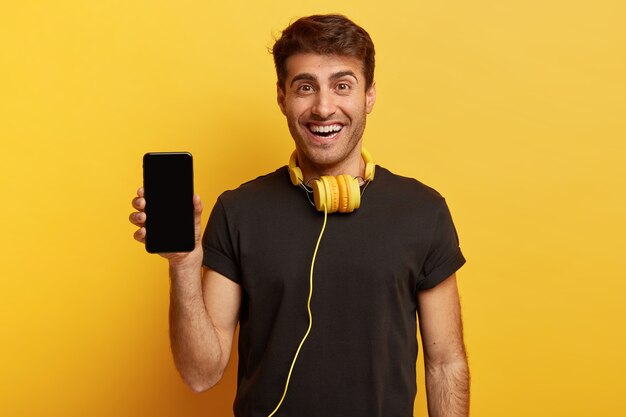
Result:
x=293 y=118
x=352 y=110
x=295 y=110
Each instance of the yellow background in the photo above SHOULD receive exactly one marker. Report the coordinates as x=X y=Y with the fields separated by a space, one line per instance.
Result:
x=514 y=110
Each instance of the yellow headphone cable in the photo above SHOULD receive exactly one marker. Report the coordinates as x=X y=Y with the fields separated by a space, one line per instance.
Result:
x=308 y=306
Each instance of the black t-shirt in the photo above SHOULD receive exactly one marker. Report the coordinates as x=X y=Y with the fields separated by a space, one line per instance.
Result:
x=359 y=359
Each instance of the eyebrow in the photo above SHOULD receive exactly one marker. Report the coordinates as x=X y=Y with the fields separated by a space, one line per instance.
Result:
x=310 y=77
x=304 y=76
x=342 y=74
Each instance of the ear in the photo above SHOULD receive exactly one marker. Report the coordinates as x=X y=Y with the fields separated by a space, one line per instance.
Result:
x=280 y=98
x=370 y=97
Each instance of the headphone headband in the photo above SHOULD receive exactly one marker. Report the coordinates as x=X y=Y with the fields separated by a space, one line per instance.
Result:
x=341 y=193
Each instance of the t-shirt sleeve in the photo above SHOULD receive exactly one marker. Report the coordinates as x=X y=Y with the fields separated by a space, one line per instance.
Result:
x=444 y=256
x=220 y=253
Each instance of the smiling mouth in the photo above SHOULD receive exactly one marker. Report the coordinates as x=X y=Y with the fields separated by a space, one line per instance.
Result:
x=328 y=131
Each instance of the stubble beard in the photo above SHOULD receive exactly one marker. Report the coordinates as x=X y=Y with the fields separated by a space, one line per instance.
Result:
x=322 y=155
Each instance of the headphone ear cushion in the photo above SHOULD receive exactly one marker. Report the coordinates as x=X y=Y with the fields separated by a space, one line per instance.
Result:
x=344 y=194
x=326 y=191
x=332 y=193
x=349 y=193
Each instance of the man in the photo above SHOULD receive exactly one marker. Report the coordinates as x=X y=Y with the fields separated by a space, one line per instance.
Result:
x=379 y=263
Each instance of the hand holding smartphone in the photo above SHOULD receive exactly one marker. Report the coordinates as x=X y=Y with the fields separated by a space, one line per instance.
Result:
x=168 y=188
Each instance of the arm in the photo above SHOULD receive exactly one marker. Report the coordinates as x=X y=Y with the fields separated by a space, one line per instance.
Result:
x=203 y=318
x=204 y=308
x=447 y=373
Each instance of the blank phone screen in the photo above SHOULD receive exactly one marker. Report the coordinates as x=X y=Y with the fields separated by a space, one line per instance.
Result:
x=168 y=186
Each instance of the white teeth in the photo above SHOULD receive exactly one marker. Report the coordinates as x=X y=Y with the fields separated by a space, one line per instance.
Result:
x=325 y=129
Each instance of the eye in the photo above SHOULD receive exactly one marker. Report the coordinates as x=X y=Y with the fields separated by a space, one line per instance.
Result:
x=343 y=87
x=304 y=89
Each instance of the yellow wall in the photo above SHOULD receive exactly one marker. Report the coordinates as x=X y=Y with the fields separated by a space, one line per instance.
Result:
x=514 y=110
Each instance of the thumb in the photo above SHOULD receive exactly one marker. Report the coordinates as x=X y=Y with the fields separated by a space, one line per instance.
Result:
x=197 y=208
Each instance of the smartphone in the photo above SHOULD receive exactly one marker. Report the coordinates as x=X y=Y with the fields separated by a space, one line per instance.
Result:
x=168 y=190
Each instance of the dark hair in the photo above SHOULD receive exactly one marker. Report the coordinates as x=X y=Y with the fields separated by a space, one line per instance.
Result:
x=326 y=35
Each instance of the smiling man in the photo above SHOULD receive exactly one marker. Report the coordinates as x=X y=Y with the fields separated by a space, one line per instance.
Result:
x=326 y=100
x=327 y=304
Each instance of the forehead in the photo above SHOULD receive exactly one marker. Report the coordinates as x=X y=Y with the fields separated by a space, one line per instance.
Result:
x=322 y=66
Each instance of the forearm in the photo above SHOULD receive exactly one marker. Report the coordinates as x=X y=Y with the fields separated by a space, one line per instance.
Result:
x=448 y=388
x=194 y=340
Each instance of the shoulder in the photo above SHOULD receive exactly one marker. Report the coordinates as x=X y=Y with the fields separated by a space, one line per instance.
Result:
x=263 y=185
x=406 y=190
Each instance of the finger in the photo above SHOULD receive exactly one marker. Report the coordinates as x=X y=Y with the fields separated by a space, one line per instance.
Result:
x=140 y=192
x=139 y=203
x=140 y=235
x=197 y=204
x=138 y=219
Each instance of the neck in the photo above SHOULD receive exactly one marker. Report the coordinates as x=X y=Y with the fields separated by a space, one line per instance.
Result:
x=353 y=165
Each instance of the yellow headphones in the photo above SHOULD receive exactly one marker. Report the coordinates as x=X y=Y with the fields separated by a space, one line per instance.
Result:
x=341 y=193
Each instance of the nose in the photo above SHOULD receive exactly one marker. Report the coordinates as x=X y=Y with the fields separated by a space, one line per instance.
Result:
x=324 y=105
